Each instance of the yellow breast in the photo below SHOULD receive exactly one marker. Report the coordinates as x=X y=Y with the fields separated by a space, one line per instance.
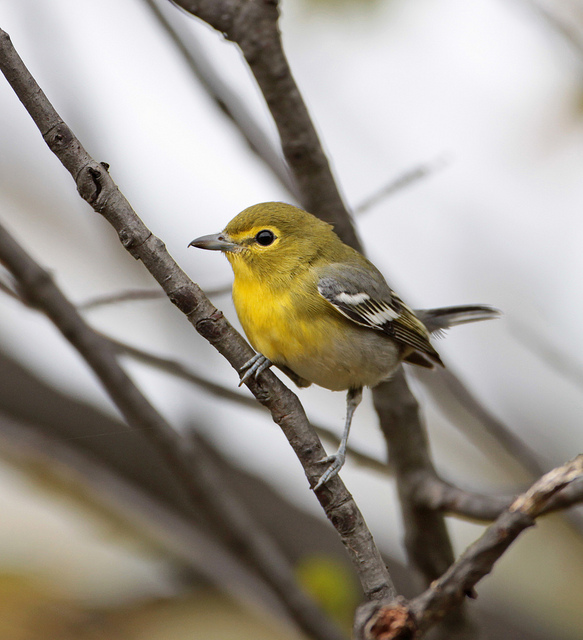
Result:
x=271 y=322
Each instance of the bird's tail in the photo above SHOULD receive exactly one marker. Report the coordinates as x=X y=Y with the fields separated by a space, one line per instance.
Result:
x=437 y=320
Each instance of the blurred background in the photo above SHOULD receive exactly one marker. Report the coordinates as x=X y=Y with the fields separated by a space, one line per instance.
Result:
x=486 y=100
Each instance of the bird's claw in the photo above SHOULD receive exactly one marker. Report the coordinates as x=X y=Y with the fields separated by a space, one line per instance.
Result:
x=254 y=367
x=336 y=462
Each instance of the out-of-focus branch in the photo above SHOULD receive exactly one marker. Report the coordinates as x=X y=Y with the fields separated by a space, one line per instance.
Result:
x=8 y=290
x=97 y=188
x=224 y=97
x=134 y=295
x=451 y=393
x=143 y=506
x=253 y=26
x=435 y=493
x=444 y=385
x=410 y=458
x=539 y=344
x=176 y=368
x=402 y=181
x=427 y=541
x=558 y=23
x=130 y=295
x=400 y=620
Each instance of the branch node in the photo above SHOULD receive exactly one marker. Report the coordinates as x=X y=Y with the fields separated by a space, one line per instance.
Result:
x=534 y=500
x=211 y=327
x=90 y=184
x=390 y=621
x=132 y=243
x=58 y=137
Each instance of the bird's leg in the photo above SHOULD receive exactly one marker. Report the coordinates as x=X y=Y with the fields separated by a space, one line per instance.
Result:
x=336 y=460
x=254 y=367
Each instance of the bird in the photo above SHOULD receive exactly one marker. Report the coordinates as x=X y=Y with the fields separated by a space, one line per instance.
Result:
x=321 y=312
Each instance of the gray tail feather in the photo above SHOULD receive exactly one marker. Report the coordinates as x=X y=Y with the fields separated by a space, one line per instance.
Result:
x=445 y=317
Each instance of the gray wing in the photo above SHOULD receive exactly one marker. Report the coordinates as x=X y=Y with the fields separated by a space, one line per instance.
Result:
x=366 y=299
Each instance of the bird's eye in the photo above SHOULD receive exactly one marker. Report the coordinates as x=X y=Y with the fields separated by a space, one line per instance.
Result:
x=265 y=237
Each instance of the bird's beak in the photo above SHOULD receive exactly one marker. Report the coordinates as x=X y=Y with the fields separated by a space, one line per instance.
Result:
x=215 y=242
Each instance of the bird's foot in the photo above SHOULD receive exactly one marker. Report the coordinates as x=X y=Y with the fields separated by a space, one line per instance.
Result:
x=336 y=462
x=254 y=367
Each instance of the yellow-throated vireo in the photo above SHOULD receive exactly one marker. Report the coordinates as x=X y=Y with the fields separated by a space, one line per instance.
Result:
x=319 y=310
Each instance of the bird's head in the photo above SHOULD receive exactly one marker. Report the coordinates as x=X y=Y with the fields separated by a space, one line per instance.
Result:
x=270 y=238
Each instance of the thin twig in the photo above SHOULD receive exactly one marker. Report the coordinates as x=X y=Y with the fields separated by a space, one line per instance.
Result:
x=253 y=26
x=120 y=296
x=406 y=179
x=223 y=95
x=98 y=189
x=444 y=385
x=179 y=369
x=539 y=344
x=133 y=295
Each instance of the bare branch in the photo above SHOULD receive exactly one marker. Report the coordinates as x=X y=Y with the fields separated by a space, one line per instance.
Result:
x=8 y=290
x=97 y=188
x=435 y=493
x=402 y=181
x=120 y=296
x=427 y=541
x=426 y=538
x=539 y=344
x=253 y=26
x=447 y=388
x=176 y=368
x=444 y=386
x=535 y=501
x=478 y=560
x=194 y=471
x=400 y=619
x=133 y=295
x=224 y=97
x=561 y=25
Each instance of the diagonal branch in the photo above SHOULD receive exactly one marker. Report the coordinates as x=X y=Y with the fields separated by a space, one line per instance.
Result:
x=178 y=369
x=400 y=620
x=479 y=559
x=97 y=188
x=444 y=385
x=253 y=26
x=195 y=473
